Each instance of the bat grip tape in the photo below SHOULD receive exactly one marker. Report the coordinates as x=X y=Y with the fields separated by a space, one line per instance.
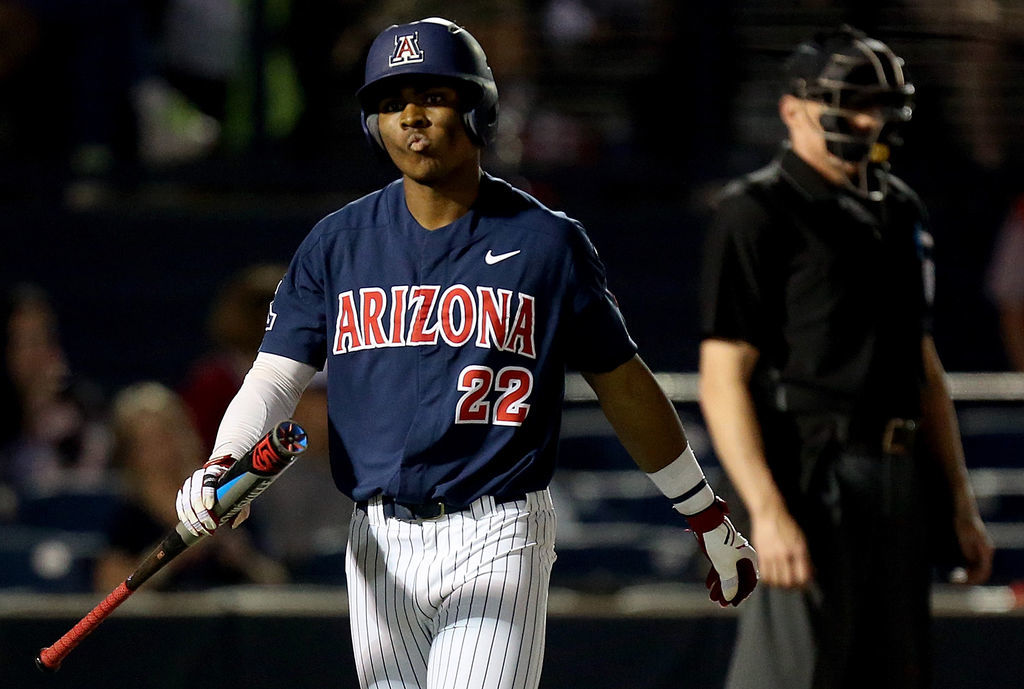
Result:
x=49 y=659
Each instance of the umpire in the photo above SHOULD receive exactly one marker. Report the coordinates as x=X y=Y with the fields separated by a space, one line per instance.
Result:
x=822 y=389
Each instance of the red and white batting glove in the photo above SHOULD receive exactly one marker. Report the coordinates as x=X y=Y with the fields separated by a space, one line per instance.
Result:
x=733 y=562
x=198 y=495
x=733 y=574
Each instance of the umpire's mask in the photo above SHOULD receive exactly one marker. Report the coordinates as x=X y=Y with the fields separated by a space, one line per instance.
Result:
x=850 y=73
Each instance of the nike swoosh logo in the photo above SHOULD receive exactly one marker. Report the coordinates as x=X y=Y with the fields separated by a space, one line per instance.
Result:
x=490 y=259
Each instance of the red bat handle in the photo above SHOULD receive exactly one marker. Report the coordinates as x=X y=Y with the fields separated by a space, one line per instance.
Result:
x=49 y=659
x=243 y=482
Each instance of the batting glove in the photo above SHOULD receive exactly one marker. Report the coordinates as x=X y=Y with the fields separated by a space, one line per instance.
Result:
x=733 y=574
x=198 y=495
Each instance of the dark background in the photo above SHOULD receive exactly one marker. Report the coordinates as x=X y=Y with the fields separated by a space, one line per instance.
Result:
x=626 y=114
x=627 y=123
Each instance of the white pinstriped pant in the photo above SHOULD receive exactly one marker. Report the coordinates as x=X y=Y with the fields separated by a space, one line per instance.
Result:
x=454 y=603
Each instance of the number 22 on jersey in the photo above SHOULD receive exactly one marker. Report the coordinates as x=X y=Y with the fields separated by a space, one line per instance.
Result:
x=513 y=385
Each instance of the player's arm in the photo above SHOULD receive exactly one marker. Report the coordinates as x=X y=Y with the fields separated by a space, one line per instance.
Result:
x=725 y=370
x=267 y=396
x=649 y=428
x=643 y=418
x=941 y=433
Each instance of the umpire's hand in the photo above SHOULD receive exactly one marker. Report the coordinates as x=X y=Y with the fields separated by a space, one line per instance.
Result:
x=783 y=558
x=976 y=546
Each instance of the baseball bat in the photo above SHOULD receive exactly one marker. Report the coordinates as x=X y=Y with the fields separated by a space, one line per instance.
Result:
x=249 y=476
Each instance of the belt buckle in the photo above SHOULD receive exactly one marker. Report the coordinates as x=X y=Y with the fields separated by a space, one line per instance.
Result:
x=415 y=512
x=441 y=512
x=898 y=438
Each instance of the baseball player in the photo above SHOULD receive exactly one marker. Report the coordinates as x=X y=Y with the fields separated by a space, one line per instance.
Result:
x=446 y=307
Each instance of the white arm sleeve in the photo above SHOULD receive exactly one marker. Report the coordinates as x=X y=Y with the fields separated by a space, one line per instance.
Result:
x=268 y=395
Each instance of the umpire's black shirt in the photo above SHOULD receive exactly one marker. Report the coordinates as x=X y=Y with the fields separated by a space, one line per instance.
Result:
x=834 y=290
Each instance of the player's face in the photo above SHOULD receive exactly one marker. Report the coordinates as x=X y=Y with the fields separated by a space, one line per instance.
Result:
x=423 y=132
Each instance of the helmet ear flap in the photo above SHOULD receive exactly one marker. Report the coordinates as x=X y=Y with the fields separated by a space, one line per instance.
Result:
x=480 y=124
x=371 y=128
x=481 y=121
x=469 y=122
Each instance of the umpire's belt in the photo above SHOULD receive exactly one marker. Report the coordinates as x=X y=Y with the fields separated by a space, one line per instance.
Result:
x=858 y=431
x=895 y=438
x=412 y=512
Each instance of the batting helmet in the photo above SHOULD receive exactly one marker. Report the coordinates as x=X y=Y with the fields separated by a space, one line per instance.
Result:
x=432 y=47
x=848 y=71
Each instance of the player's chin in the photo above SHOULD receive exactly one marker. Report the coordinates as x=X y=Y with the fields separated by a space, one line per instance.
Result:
x=423 y=170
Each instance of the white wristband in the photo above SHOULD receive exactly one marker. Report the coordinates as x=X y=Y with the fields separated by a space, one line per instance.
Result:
x=682 y=481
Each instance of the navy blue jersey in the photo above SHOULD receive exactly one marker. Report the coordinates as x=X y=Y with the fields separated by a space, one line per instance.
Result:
x=446 y=350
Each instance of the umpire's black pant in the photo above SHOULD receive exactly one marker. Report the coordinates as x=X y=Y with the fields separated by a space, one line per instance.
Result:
x=864 y=622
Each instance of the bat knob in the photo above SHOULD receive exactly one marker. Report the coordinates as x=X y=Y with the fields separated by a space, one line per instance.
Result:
x=43 y=667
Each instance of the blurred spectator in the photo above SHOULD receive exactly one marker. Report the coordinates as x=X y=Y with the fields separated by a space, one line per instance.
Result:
x=327 y=40
x=155 y=443
x=75 y=95
x=237 y=321
x=53 y=434
x=19 y=34
x=96 y=88
x=198 y=48
x=201 y=50
x=19 y=40
x=975 y=66
x=1006 y=283
x=304 y=519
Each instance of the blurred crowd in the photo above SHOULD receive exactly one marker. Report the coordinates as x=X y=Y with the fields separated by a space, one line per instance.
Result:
x=98 y=98
x=88 y=477
x=87 y=480
x=100 y=95
x=105 y=91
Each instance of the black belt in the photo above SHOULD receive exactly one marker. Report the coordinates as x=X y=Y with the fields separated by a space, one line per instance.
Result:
x=896 y=438
x=858 y=431
x=412 y=512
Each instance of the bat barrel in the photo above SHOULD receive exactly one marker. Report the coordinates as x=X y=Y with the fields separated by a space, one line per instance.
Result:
x=257 y=469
